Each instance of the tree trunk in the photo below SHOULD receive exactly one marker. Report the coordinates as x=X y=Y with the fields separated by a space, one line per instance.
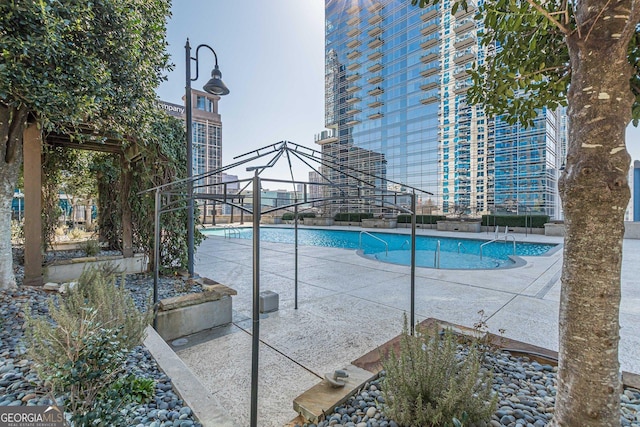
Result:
x=126 y=176
x=595 y=194
x=13 y=122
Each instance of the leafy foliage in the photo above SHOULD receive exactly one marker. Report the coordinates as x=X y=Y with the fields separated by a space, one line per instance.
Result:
x=421 y=219
x=83 y=63
x=527 y=64
x=430 y=384
x=352 y=216
x=135 y=389
x=535 y=221
x=80 y=351
x=290 y=216
x=52 y=159
x=512 y=83
x=106 y=167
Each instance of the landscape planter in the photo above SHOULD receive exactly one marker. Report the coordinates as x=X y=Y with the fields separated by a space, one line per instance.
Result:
x=554 y=229
x=452 y=225
x=318 y=221
x=379 y=223
x=188 y=314
x=70 y=269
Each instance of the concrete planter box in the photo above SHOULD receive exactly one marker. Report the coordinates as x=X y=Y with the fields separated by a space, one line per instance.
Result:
x=418 y=225
x=347 y=223
x=271 y=220
x=379 y=223
x=468 y=226
x=71 y=269
x=188 y=314
x=318 y=221
x=554 y=229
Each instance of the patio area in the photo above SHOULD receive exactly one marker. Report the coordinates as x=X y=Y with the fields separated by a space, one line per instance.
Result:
x=349 y=305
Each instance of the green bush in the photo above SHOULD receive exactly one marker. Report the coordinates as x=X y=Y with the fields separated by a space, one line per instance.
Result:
x=289 y=216
x=352 y=216
x=430 y=384
x=80 y=351
x=90 y=247
x=135 y=389
x=421 y=219
x=535 y=221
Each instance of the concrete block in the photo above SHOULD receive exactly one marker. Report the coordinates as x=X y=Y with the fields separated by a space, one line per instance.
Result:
x=268 y=301
x=631 y=230
x=188 y=320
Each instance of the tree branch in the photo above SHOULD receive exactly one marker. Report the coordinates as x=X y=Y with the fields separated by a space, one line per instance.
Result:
x=17 y=125
x=549 y=16
x=542 y=71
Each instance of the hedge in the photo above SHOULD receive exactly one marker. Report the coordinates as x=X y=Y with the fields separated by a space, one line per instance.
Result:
x=352 y=216
x=535 y=221
x=421 y=219
x=289 y=216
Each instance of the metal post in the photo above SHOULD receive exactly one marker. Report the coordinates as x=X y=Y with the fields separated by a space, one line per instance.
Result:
x=295 y=228
x=187 y=100
x=156 y=254
x=256 y=299
x=413 y=261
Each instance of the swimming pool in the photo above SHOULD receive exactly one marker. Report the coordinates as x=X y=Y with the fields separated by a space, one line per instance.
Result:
x=454 y=253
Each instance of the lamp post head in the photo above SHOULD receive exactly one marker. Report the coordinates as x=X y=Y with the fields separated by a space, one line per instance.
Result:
x=215 y=85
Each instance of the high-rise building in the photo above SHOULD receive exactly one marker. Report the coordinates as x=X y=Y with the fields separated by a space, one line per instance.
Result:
x=207 y=136
x=395 y=104
x=633 y=210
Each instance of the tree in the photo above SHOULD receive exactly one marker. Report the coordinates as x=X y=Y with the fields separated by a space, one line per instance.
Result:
x=72 y=66
x=583 y=54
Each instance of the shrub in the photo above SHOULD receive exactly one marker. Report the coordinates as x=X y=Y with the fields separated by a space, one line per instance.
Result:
x=75 y=234
x=431 y=384
x=17 y=232
x=352 y=216
x=90 y=247
x=135 y=389
x=289 y=216
x=535 y=221
x=80 y=352
x=421 y=219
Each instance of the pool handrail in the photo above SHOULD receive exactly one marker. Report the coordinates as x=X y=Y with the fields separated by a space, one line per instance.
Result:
x=386 y=245
x=436 y=256
x=229 y=230
x=506 y=236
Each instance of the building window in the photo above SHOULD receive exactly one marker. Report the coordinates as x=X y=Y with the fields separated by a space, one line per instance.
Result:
x=204 y=104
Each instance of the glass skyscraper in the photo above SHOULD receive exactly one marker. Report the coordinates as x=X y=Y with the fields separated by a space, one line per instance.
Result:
x=395 y=107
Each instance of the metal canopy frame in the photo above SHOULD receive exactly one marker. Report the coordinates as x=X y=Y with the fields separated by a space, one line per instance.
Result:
x=172 y=196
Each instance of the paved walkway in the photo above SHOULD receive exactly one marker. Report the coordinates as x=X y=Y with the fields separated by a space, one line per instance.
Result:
x=348 y=305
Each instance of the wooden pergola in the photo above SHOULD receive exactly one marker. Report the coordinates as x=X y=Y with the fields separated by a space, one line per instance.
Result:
x=33 y=140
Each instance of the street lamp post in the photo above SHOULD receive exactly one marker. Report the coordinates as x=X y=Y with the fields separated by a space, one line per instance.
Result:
x=214 y=86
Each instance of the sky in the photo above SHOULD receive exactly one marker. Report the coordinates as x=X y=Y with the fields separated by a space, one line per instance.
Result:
x=271 y=55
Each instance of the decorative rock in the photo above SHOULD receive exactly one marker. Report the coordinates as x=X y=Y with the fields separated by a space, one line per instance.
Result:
x=371 y=412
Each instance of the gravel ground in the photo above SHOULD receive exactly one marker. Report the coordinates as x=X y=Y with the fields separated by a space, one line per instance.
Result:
x=526 y=391
x=20 y=385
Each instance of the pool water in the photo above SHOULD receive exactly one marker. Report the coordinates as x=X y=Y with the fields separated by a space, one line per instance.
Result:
x=454 y=253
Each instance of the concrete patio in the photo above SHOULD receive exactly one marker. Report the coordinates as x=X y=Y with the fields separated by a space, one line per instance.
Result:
x=348 y=305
